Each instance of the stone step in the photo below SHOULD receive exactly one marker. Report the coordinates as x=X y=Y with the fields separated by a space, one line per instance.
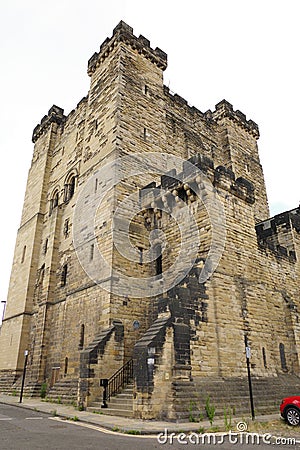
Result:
x=119 y=405
x=125 y=395
x=64 y=390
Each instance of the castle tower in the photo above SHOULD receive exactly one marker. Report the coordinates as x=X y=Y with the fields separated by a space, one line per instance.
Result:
x=16 y=323
x=111 y=181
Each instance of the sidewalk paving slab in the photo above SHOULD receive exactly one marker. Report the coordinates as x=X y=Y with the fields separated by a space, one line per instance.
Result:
x=116 y=423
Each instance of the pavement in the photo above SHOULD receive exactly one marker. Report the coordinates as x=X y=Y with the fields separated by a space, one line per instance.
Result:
x=120 y=424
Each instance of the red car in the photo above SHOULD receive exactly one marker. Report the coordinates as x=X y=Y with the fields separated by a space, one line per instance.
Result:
x=290 y=410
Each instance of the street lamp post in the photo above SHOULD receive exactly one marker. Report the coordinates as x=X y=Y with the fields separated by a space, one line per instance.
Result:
x=248 y=356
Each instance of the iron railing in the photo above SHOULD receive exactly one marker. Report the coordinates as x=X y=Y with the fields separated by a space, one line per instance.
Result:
x=117 y=381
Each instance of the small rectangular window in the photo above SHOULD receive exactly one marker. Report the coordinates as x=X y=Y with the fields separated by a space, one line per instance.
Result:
x=64 y=273
x=92 y=252
x=66 y=228
x=141 y=255
x=23 y=254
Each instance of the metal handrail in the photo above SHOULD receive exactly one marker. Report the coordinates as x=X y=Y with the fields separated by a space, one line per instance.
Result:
x=117 y=381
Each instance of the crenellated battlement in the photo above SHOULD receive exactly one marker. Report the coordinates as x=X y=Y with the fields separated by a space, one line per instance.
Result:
x=224 y=109
x=124 y=33
x=186 y=184
x=55 y=115
x=276 y=234
x=181 y=102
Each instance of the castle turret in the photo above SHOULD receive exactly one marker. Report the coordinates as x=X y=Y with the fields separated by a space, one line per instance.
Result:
x=16 y=323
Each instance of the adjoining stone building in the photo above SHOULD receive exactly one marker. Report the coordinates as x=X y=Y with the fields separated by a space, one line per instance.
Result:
x=186 y=337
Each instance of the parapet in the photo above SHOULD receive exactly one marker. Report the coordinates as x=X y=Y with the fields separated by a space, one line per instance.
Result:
x=225 y=109
x=276 y=235
x=124 y=33
x=55 y=115
x=186 y=183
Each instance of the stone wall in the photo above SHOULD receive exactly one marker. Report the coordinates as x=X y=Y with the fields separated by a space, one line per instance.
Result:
x=56 y=309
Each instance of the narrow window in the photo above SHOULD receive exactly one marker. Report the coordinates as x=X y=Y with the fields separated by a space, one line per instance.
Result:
x=66 y=228
x=71 y=187
x=264 y=357
x=158 y=260
x=146 y=90
x=41 y=274
x=55 y=200
x=282 y=357
x=23 y=254
x=92 y=252
x=81 y=340
x=141 y=255
x=145 y=134
x=66 y=366
x=45 y=246
x=96 y=184
x=64 y=275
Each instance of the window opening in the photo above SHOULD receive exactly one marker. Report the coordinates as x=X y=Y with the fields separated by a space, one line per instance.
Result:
x=23 y=254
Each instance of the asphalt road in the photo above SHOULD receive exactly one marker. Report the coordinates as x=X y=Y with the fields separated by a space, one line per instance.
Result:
x=22 y=429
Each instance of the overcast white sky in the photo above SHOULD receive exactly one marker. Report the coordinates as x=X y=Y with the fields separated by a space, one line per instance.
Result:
x=244 y=51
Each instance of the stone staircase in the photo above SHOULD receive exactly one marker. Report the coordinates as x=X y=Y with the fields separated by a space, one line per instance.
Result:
x=64 y=391
x=9 y=384
x=119 y=405
x=190 y=397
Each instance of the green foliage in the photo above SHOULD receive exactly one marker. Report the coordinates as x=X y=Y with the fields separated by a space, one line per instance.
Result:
x=191 y=408
x=227 y=418
x=44 y=390
x=132 y=432
x=75 y=418
x=210 y=410
x=115 y=429
x=59 y=400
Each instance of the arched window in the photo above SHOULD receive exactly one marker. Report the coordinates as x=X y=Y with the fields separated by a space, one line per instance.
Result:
x=54 y=201
x=70 y=186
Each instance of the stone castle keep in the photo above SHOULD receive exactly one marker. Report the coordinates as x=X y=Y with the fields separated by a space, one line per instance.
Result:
x=172 y=347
